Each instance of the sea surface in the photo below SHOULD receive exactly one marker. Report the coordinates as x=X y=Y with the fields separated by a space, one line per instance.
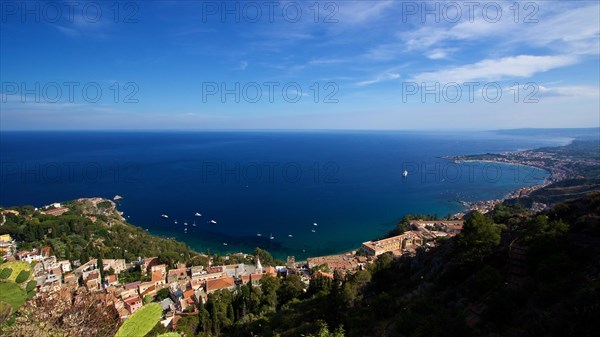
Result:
x=265 y=189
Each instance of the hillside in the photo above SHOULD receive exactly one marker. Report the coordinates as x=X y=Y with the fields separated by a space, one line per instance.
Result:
x=510 y=273
x=89 y=228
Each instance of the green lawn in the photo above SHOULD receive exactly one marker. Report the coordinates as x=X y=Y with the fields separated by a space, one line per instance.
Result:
x=141 y=322
x=12 y=294
x=17 y=267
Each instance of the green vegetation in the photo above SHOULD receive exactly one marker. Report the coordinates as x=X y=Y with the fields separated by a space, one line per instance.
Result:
x=88 y=231
x=11 y=294
x=170 y=334
x=17 y=267
x=30 y=285
x=436 y=292
x=23 y=276
x=5 y=273
x=404 y=224
x=141 y=322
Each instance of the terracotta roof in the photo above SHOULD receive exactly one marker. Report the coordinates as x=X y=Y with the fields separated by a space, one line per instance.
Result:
x=149 y=290
x=132 y=300
x=220 y=283
x=157 y=276
x=188 y=293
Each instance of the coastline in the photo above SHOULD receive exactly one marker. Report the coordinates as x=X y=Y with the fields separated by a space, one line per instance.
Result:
x=538 y=158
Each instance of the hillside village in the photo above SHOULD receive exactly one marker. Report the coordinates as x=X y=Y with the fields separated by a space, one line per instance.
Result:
x=181 y=289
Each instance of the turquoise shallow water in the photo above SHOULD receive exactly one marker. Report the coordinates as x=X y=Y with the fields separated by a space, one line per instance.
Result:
x=275 y=184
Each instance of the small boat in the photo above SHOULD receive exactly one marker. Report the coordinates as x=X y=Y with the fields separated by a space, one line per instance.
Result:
x=197 y=214
x=312 y=230
x=224 y=243
x=175 y=222
x=185 y=223
x=212 y=222
x=290 y=236
x=315 y=224
x=194 y=224
x=164 y=216
x=185 y=230
x=405 y=173
x=258 y=234
x=271 y=236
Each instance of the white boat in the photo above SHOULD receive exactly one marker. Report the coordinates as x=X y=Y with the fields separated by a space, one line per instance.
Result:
x=224 y=243
x=194 y=224
x=175 y=222
x=312 y=230
x=185 y=230
x=290 y=236
x=185 y=223
x=197 y=214
x=213 y=222
x=271 y=236
x=164 y=216
x=405 y=173
x=315 y=224
x=258 y=234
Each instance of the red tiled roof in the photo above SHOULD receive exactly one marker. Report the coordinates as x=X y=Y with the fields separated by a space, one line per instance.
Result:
x=188 y=293
x=157 y=276
x=220 y=283
x=133 y=300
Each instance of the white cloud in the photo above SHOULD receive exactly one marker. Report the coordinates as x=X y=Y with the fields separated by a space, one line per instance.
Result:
x=387 y=76
x=569 y=91
x=522 y=66
x=438 y=54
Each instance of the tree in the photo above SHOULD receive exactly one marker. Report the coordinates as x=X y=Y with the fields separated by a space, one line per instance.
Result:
x=478 y=238
x=266 y=259
x=161 y=294
x=269 y=286
x=188 y=325
x=292 y=287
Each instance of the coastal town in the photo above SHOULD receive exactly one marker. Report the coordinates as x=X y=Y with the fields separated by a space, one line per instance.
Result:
x=181 y=289
x=572 y=161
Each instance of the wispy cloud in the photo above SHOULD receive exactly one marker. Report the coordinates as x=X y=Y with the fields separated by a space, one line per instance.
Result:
x=522 y=66
x=387 y=76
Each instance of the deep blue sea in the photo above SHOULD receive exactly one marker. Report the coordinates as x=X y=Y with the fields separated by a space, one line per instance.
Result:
x=276 y=184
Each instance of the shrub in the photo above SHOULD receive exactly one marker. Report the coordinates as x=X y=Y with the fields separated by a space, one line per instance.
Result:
x=5 y=273
x=23 y=275
x=30 y=285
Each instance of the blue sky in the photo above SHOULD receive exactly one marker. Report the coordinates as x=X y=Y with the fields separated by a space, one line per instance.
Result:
x=349 y=65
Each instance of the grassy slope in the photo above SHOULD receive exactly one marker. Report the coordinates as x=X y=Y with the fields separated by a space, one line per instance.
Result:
x=12 y=294
x=141 y=322
x=17 y=267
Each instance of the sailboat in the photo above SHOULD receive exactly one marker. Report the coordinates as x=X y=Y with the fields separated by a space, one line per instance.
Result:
x=197 y=214
x=405 y=173
x=271 y=236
